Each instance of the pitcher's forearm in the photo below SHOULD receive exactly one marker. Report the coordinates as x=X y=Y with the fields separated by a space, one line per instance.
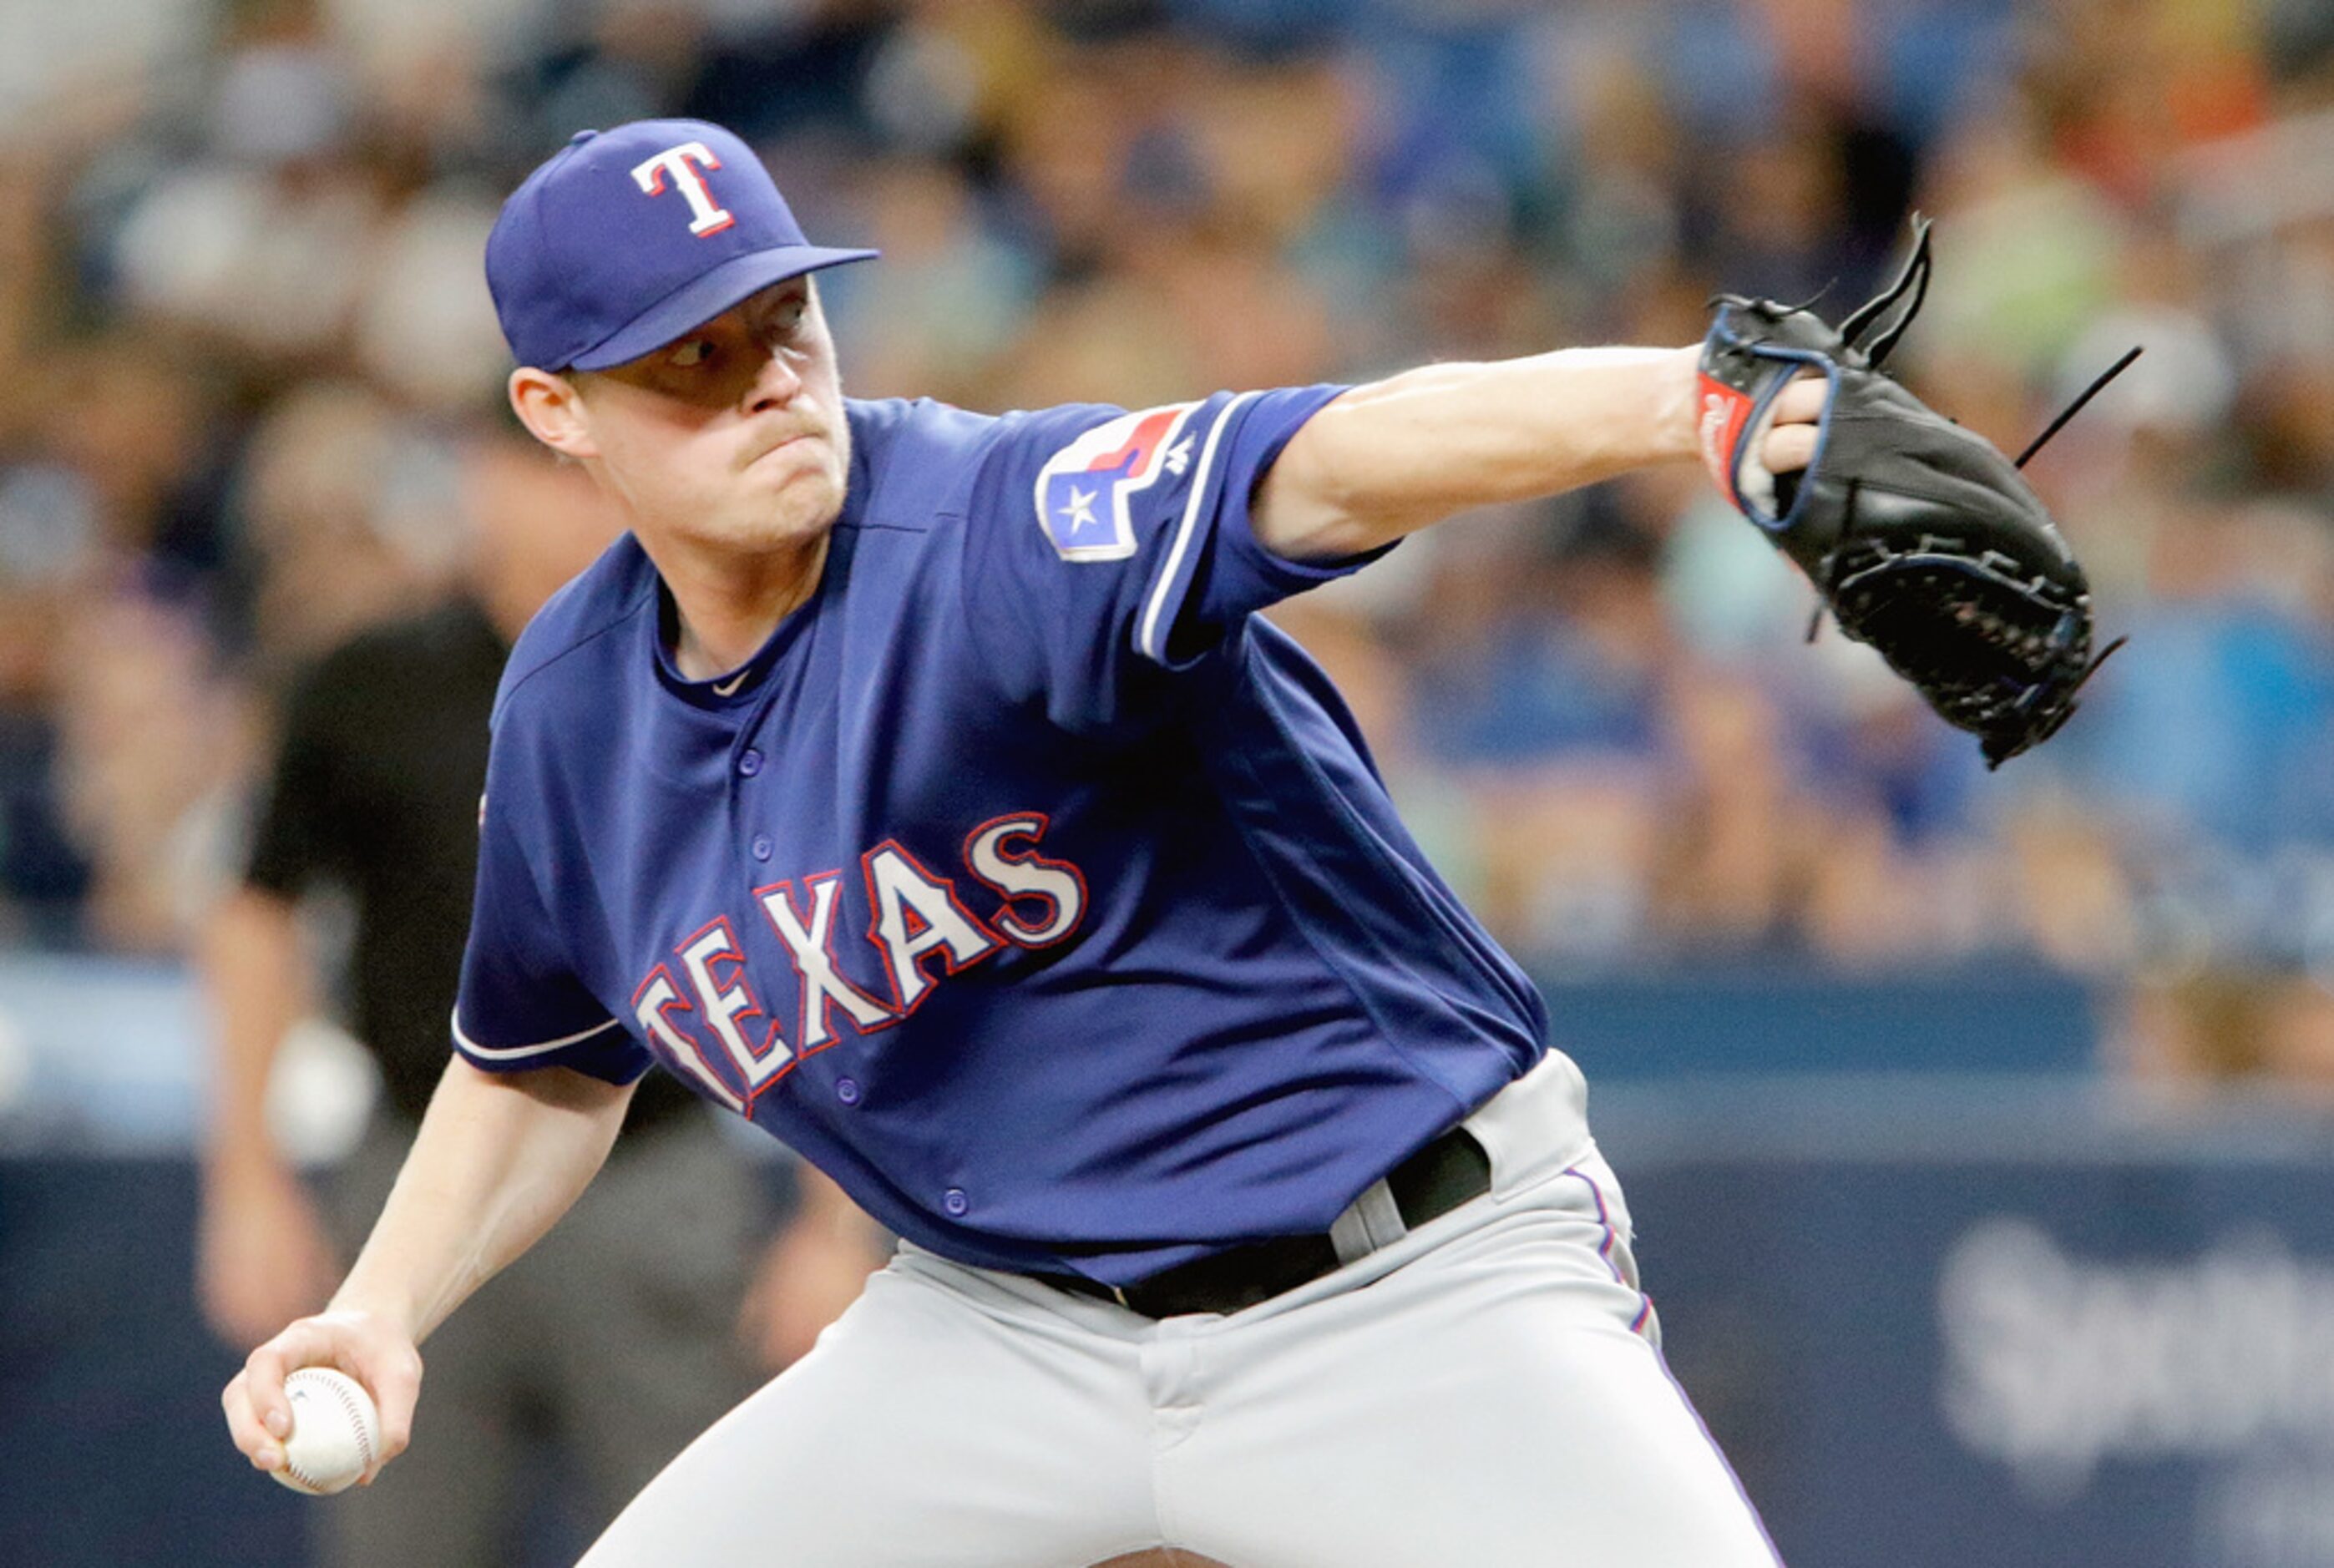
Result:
x=499 y=1159
x=1390 y=458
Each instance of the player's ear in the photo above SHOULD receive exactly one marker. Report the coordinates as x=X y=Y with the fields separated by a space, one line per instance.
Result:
x=551 y=409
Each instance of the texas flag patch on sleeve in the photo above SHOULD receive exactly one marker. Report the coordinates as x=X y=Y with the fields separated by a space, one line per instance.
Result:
x=1085 y=490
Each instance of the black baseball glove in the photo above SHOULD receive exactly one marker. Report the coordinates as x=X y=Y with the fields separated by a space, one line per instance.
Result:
x=1920 y=536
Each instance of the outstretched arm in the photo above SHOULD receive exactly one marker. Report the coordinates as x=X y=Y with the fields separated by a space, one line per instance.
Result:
x=1387 y=458
x=498 y=1158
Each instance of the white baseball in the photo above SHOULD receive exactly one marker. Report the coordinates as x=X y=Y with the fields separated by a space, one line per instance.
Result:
x=335 y=1431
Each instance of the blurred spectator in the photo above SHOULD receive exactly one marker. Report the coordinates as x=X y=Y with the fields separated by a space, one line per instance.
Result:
x=953 y=295
x=150 y=741
x=348 y=514
x=49 y=557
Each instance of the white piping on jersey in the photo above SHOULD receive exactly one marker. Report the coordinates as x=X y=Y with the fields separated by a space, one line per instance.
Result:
x=511 y=1053
x=1146 y=641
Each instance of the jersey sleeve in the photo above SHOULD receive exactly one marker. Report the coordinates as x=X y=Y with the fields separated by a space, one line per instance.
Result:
x=520 y=1004
x=1106 y=545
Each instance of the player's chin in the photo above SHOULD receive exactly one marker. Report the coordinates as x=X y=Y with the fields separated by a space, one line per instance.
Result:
x=802 y=506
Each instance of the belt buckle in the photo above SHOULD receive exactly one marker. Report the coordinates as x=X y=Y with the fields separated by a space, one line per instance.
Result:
x=1118 y=1294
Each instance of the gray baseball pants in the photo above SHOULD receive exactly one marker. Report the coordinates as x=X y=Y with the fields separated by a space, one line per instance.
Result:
x=1486 y=1390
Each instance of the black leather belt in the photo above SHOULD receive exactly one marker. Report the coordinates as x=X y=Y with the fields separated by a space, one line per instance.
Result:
x=1438 y=1179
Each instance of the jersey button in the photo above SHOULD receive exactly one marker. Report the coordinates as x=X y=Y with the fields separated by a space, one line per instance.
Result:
x=955 y=1202
x=847 y=1090
x=750 y=763
x=762 y=846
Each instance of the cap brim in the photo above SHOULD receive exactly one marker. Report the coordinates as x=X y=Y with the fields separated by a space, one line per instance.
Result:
x=703 y=298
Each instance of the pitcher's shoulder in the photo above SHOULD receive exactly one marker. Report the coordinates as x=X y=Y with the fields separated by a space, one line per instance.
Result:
x=919 y=461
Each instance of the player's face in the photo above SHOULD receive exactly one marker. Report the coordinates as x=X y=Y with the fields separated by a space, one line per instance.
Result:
x=731 y=437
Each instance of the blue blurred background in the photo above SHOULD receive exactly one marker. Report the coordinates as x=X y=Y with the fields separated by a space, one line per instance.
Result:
x=1980 y=1128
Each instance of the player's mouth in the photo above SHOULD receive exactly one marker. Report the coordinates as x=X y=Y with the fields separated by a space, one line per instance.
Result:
x=780 y=445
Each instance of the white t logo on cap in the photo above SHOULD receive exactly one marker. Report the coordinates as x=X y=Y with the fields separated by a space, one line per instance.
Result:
x=650 y=177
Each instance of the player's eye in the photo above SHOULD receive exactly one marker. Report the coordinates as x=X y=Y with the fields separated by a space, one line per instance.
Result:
x=689 y=355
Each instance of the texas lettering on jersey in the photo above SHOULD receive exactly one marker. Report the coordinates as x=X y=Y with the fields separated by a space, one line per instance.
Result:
x=704 y=1013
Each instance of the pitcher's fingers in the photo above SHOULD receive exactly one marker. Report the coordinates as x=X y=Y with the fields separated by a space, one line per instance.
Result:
x=393 y=1377
x=244 y=1426
x=305 y=1344
x=1788 y=448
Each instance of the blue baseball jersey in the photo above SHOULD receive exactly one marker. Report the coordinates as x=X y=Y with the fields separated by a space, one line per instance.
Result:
x=1025 y=882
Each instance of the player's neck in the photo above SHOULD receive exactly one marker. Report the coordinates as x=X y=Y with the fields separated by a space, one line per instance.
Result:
x=727 y=609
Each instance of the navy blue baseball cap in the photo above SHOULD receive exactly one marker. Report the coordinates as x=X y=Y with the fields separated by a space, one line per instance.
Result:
x=625 y=239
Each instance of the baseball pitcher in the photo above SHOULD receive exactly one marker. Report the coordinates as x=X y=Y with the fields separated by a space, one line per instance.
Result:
x=922 y=786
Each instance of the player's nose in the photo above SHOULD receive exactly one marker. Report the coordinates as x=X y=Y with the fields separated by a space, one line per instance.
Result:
x=777 y=380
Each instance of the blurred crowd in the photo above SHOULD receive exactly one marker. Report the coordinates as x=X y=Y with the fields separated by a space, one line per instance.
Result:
x=250 y=380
